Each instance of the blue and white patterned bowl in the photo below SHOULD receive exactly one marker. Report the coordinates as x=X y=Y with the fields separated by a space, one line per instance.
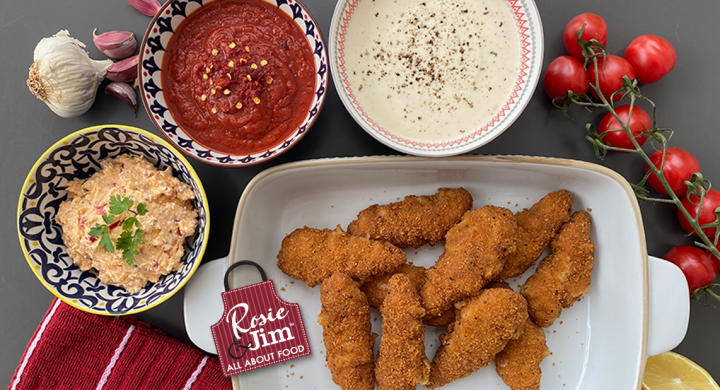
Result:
x=152 y=52
x=78 y=156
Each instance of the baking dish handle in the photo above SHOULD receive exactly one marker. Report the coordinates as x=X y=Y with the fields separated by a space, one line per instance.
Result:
x=669 y=306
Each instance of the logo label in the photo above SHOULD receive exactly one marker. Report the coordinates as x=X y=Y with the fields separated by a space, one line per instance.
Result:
x=258 y=329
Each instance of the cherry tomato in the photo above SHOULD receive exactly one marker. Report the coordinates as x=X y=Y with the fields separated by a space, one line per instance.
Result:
x=679 y=166
x=652 y=58
x=699 y=270
x=639 y=121
x=564 y=74
x=714 y=259
x=595 y=27
x=611 y=71
x=707 y=215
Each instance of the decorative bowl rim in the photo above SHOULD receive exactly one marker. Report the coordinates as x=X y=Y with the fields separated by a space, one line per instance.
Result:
x=479 y=137
x=154 y=138
x=298 y=136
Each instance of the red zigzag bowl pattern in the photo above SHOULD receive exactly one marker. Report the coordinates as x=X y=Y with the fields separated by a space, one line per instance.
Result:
x=529 y=28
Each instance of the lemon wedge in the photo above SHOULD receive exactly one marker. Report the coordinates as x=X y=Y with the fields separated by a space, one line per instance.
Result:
x=670 y=371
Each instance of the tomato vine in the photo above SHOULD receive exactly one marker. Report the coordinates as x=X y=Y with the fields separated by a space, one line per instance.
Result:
x=697 y=185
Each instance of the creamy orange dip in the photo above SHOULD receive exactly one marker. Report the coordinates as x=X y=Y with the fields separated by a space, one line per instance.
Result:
x=169 y=220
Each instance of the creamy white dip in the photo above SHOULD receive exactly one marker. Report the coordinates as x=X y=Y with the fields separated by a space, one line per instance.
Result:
x=170 y=219
x=432 y=70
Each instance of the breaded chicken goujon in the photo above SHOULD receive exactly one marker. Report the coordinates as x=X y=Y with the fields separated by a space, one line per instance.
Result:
x=312 y=255
x=564 y=276
x=518 y=365
x=414 y=221
x=483 y=326
x=401 y=362
x=537 y=226
x=347 y=333
x=475 y=252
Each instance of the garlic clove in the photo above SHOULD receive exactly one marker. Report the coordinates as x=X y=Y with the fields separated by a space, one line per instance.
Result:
x=147 y=7
x=116 y=44
x=123 y=92
x=123 y=71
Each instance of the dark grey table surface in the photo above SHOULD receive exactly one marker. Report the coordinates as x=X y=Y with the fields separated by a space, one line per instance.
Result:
x=687 y=99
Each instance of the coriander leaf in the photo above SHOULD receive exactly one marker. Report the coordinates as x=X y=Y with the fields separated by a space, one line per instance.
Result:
x=128 y=224
x=108 y=218
x=129 y=256
x=142 y=208
x=96 y=230
x=125 y=240
x=116 y=205
x=129 y=245
x=138 y=238
x=106 y=243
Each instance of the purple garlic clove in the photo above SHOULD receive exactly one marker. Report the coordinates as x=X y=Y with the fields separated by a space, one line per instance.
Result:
x=123 y=92
x=147 y=7
x=124 y=71
x=116 y=44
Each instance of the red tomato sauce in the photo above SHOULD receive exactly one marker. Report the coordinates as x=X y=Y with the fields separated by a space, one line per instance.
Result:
x=238 y=76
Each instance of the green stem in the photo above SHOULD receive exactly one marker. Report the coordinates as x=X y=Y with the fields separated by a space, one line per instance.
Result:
x=615 y=148
x=658 y=172
x=660 y=200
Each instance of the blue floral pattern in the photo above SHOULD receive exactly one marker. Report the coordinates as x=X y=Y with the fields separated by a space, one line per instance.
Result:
x=79 y=156
x=152 y=52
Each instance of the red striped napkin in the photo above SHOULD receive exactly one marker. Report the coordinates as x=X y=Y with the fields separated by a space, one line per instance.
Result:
x=75 y=350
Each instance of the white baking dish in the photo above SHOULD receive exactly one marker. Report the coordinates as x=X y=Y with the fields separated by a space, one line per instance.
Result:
x=600 y=343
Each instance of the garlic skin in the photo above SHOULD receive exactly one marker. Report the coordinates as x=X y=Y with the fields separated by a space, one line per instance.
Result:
x=64 y=76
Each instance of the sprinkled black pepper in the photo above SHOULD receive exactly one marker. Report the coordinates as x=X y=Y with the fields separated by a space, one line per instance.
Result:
x=431 y=53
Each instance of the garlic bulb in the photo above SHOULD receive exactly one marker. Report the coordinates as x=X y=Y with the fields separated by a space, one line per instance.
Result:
x=64 y=76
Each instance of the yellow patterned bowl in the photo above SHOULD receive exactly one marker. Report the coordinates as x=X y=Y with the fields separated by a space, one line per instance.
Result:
x=78 y=156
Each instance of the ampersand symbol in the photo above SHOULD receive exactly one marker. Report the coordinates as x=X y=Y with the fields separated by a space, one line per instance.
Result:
x=238 y=347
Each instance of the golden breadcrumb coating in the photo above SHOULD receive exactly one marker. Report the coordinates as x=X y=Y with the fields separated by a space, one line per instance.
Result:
x=564 y=275
x=443 y=319
x=414 y=221
x=312 y=255
x=345 y=318
x=536 y=227
x=401 y=362
x=518 y=365
x=376 y=287
x=483 y=326
x=498 y=284
x=475 y=252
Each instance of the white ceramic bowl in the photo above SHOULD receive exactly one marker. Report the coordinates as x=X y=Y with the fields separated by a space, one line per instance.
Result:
x=78 y=156
x=635 y=308
x=530 y=33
